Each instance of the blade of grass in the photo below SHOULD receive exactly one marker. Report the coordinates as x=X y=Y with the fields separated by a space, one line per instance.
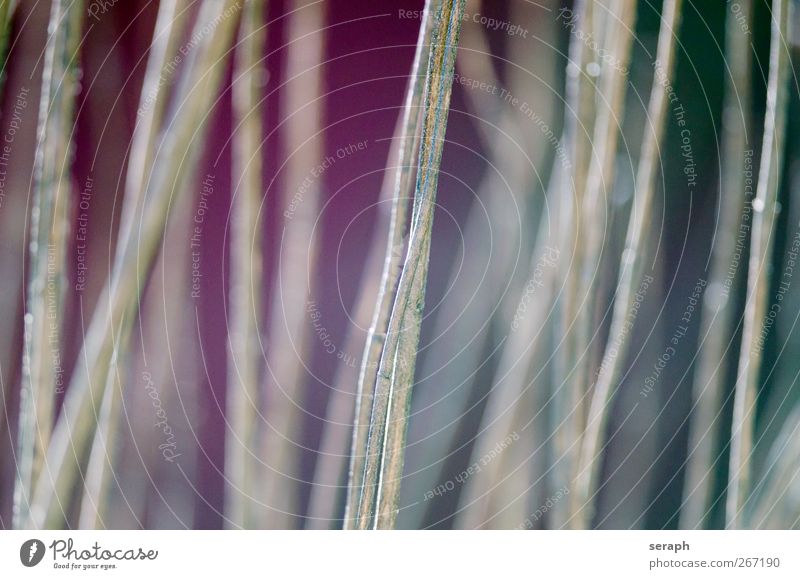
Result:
x=244 y=355
x=779 y=478
x=758 y=274
x=388 y=422
x=632 y=266
x=619 y=31
x=585 y=237
x=716 y=329
x=6 y=20
x=337 y=435
x=168 y=31
x=390 y=278
x=580 y=119
x=50 y=225
x=178 y=154
x=473 y=314
x=95 y=506
x=289 y=331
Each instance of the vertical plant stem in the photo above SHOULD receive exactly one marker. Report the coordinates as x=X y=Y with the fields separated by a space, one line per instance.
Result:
x=758 y=274
x=153 y=100
x=244 y=374
x=168 y=31
x=512 y=382
x=716 y=329
x=6 y=19
x=95 y=507
x=286 y=376
x=50 y=225
x=578 y=125
x=582 y=237
x=337 y=435
x=620 y=23
x=389 y=420
x=390 y=278
x=486 y=280
x=632 y=265
x=178 y=154
x=778 y=478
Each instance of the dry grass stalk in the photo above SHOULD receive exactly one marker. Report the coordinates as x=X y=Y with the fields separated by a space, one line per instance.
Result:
x=177 y=156
x=632 y=266
x=620 y=20
x=244 y=355
x=282 y=429
x=716 y=327
x=389 y=420
x=49 y=232
x=390 y=278
x=580 y=120
x=168 y=32
x=153 y=100
x=502 y=197
x=337 y=435
x=765 y=209
x=95 y=504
